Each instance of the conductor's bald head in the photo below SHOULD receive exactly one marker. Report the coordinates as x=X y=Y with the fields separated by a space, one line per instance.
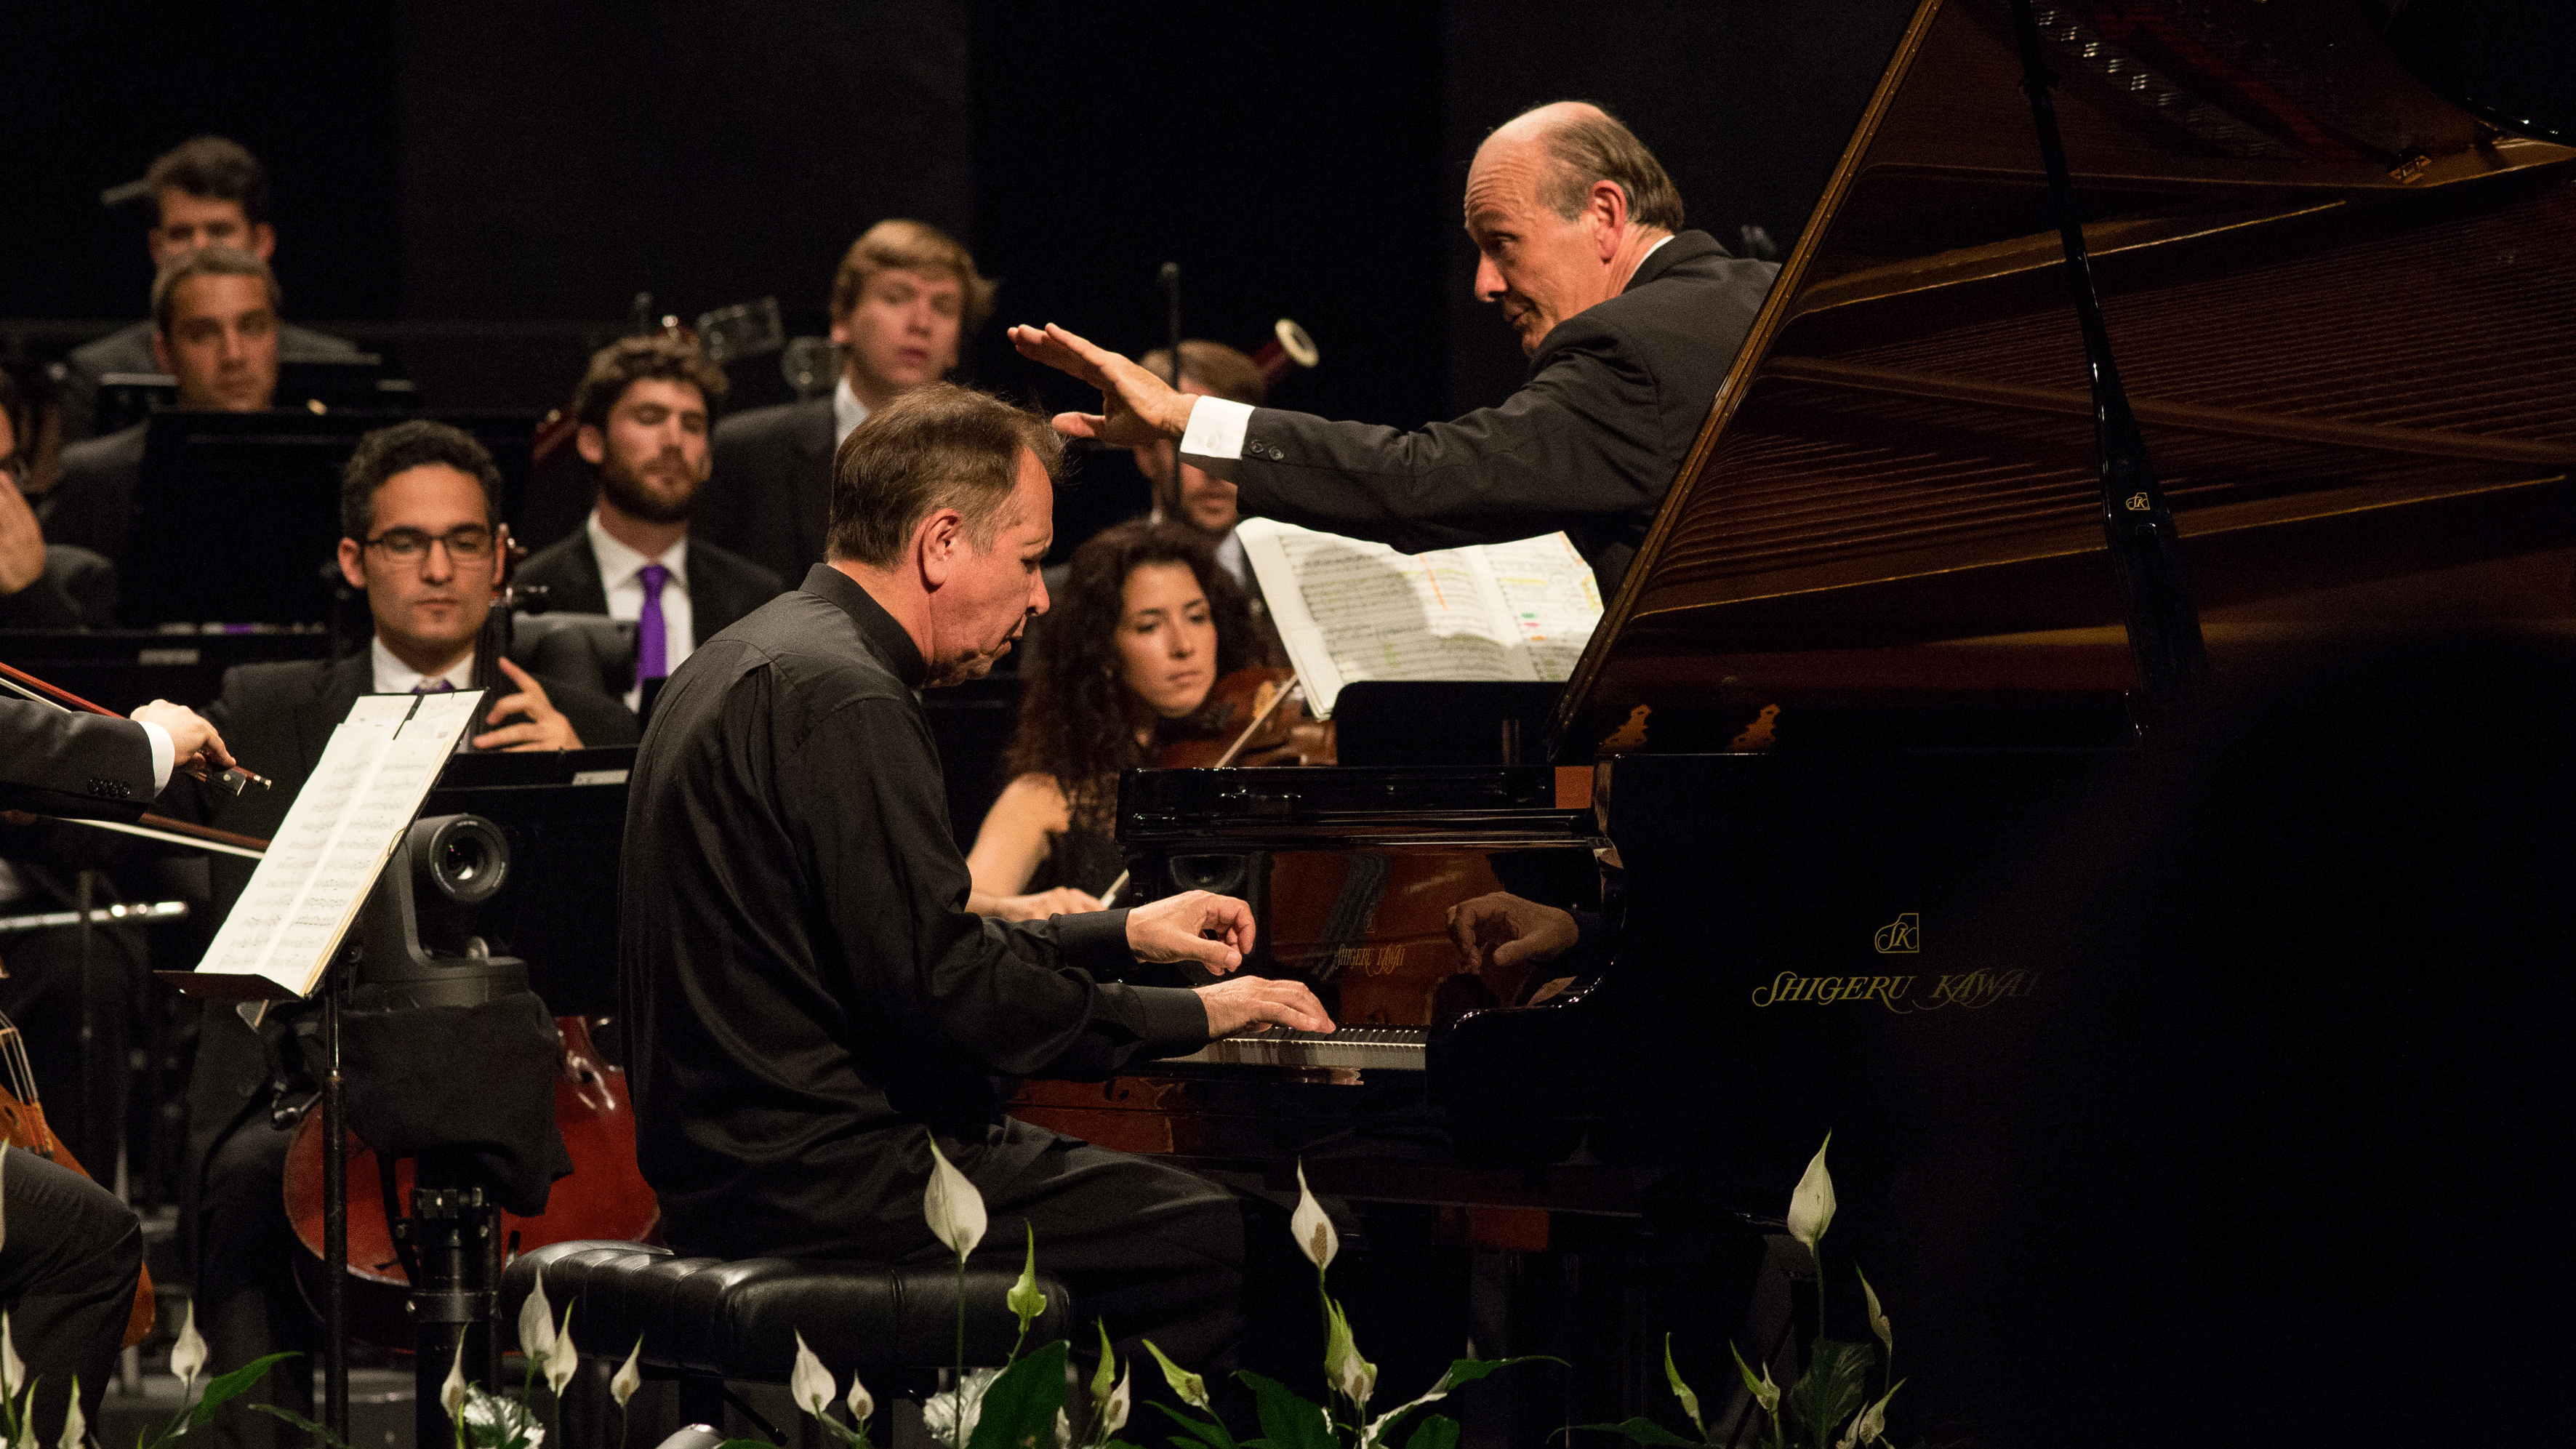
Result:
x=1563 y=202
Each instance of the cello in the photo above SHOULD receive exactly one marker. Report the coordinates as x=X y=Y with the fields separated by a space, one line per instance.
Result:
x=23 y=1126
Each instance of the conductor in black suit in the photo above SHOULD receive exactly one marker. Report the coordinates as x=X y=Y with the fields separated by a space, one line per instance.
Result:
x=643 y=408
x=1630 y=323
x=418 y=506
x=905 y=294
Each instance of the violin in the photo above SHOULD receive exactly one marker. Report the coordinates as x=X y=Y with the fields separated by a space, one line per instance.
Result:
x=23 y=1125
x=1258 y=717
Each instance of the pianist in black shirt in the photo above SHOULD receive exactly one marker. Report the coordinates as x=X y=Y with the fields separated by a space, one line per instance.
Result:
x=1146 y=624
x=811 y=999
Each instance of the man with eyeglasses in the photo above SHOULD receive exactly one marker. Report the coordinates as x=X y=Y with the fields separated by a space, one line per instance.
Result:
x=419 y=505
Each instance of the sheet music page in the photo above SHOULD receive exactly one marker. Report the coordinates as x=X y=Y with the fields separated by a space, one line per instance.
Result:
x=1349 y=610
x=375 y=772
x=1547 y=592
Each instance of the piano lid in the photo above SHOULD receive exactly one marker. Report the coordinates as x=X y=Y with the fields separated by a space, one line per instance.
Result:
x=2345 y=311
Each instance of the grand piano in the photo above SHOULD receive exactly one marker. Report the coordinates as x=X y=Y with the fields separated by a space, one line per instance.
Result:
x=2122 y=1035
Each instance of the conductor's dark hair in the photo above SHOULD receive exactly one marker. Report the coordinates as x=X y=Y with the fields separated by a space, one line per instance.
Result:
x=1078 y=718
x=630 y=360
x=1591 y=149
x=216 y=169
x=206 y=262
x=405 y=446
x=937 y=446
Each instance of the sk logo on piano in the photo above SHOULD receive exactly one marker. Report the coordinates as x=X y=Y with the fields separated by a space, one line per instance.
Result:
x=2137 y=503
x=1900 y=937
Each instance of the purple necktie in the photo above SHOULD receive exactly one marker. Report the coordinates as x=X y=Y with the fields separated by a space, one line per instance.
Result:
x=433 y=686
x=652 y=638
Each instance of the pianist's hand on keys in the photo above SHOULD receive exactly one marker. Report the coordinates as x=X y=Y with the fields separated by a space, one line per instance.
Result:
x=1215 y=931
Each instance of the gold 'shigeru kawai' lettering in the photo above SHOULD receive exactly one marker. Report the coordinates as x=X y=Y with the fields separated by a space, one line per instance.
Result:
x=1903 y=995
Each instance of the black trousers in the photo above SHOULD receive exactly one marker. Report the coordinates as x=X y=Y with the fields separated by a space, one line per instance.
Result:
x=247 y=1301
x=67 y=1275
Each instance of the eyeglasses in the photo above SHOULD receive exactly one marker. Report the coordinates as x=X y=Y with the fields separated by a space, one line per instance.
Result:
x=471 y=543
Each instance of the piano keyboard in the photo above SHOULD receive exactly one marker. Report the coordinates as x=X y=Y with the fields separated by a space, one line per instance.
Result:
x=1367 y=1048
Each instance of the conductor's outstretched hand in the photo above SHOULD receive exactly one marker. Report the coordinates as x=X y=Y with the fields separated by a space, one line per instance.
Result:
x=1200 y=926
x=1136 y=407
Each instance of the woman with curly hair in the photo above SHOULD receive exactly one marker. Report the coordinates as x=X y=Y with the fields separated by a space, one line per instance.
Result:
x=1145 y=624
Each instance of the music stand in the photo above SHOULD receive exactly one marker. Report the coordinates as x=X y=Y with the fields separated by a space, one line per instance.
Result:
x=267 y=486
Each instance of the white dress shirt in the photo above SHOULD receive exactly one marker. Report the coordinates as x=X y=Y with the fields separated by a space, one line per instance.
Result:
x=395 y=677
x=621 y=577
x=847 y=411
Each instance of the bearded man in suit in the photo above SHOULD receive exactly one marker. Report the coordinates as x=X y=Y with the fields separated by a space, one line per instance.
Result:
x=644 y=407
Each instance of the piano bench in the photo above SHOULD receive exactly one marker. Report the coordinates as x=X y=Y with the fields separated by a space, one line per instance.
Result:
x=704 y=1321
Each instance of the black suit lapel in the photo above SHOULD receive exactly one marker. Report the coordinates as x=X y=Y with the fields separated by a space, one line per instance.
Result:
x=590 y=587
x=814 y=478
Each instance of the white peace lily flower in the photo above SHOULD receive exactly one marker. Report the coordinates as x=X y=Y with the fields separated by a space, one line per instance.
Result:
x=537 y=1322
x=188 y=1355
x=1313 y=1230
x=451 y=1390
x=863 y=1405
x=13 y=1370
x=950 y=1418
x=75 y=1424
x=1811 y=1203
x=953 y=1206
x=1377 y=1427
x=1877 y=1316
x=1114 y=1417
x=493 y=1419
x=809 y=1383
x=561 y=1360
x=630 y=1375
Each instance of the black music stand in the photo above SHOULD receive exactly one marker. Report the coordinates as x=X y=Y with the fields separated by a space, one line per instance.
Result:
x=267 y=486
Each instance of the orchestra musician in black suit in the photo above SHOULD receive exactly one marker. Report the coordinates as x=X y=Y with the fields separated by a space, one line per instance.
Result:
x=643 y=409
x=72 y=1252
x=43 y=585
x=905 y=295
x=215 y=328
x=206 y=192
x=419 y=504
x=1630 y=323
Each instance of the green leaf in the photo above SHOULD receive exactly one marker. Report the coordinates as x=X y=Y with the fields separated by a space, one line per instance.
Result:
x=1019 y=1409
x=303 y=1423
x=1642 y=1431
x=1288 y=1419
x=1206 y=1431
x=746 y=1444
x=231 y=1386
x=1436 y=1432
x=1830 y=1390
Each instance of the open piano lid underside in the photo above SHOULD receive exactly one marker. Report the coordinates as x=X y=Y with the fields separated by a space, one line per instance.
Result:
x=2345 y=313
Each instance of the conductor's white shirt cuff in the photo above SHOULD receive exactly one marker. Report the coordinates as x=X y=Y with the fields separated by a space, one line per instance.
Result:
x=164 y=755
x=1216 y=429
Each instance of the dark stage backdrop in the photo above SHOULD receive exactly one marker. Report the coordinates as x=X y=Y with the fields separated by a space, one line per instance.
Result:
x=94 y=92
